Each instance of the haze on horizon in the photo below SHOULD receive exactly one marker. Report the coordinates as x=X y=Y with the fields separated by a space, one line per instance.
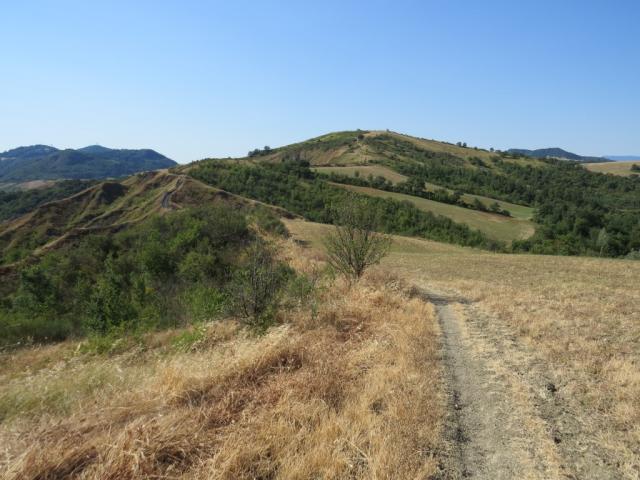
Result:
x=196 y=79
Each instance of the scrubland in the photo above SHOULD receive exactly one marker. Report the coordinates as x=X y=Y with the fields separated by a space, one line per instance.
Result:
x=347 y=385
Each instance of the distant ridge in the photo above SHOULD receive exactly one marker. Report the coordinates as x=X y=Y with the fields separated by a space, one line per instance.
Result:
x=42 y=162
x=623 y=158
x=556 y=153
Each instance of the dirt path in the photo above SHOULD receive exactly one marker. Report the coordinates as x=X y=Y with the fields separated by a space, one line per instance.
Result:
x=495 y=434
x=507 y=420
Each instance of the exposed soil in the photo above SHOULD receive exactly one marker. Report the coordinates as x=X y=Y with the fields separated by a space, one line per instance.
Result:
x=506 y=418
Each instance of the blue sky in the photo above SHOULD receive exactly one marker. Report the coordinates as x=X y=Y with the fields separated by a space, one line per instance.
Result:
x=193 y=79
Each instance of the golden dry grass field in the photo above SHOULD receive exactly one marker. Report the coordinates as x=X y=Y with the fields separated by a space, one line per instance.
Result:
x=559 y=335
x=364 y=171
x=615 y=168
x=349 y=385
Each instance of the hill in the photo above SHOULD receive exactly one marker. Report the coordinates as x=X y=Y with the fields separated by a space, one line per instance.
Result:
x=105 y=208
x=574 y=211
x=128 y=347
x=556 y=153
x=41 y=162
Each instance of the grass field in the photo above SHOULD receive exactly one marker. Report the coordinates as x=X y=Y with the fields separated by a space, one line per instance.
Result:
x=494 y=226
x=615 y=168
x=364 y=171
x=521 y=212
x=564 y=325
x=348 y=385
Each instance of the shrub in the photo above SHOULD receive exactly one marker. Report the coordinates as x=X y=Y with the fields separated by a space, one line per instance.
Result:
x=255 y=289
x=354 y=245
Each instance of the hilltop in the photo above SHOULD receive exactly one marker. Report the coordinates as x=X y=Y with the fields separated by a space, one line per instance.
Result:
x=557 y=153
x=500 y=197
x=42 y=162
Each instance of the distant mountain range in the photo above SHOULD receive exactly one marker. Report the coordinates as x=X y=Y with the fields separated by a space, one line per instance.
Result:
x=557 y=153
x=42 y=162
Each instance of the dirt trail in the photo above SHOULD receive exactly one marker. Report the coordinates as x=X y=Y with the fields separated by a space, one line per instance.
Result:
x=506 y=420
x=494 y=432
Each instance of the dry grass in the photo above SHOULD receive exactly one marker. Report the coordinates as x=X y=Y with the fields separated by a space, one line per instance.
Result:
x=579 y=316
x=350 y=389
x=364 y=171
x=614 y=168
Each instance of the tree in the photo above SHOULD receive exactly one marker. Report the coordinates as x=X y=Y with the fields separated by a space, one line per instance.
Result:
x=354 y=245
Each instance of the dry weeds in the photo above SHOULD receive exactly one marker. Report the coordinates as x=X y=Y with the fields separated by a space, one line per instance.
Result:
x=349 y=389
x=578 y=319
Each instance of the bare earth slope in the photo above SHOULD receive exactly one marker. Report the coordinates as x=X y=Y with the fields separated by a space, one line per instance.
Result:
x=108 y=207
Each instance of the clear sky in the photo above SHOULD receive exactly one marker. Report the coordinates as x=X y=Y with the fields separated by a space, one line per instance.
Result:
x=193 y=79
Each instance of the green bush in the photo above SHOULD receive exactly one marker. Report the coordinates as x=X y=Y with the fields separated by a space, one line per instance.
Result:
x=255 y=289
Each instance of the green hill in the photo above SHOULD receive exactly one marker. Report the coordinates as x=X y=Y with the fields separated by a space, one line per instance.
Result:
x=41 y=162
x=556 y=152
x=575 y=211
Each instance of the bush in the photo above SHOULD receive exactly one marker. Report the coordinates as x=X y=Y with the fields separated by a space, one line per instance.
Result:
x=255 y=289
x=635 y=255
x=204 y=303
x=354 y=245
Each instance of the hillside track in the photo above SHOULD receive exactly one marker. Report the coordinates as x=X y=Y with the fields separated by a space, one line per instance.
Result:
x=505 y=419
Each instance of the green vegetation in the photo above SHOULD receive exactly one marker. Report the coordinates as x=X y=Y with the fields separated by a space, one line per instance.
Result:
x=292 y=185
x=168 y=271
x=497 y=227
x=418 y=188
x=18 y=202
x=40 y=162
x=374 y=172
x=355 y=245
x=572 y=204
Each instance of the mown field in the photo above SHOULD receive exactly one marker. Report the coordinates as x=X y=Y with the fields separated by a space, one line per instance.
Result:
x=615 y=168
x=498 y=227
